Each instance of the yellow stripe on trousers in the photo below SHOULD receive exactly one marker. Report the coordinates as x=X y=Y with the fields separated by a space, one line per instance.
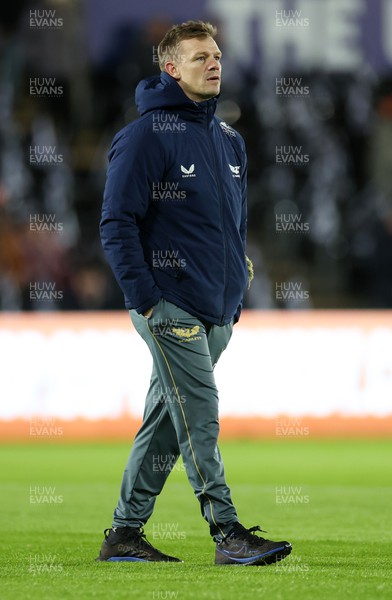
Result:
x=186 y=425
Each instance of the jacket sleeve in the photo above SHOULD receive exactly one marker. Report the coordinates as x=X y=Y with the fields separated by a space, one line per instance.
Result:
x=136 y=161
x=244 y=213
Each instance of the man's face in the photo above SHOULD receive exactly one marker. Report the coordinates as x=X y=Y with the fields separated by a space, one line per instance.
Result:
x=198 y=69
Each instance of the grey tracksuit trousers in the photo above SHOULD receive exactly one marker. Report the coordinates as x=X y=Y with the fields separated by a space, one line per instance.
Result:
x=180 y=417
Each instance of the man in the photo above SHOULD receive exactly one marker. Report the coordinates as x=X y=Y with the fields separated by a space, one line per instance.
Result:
x=173 y=228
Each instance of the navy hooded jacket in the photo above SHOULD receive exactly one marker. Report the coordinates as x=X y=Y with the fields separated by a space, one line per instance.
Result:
x=174 y=212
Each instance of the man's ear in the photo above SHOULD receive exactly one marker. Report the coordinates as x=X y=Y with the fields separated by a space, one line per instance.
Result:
x=170 y=67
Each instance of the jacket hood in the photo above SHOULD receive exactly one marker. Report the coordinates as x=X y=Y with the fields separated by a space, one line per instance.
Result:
x=163 y=92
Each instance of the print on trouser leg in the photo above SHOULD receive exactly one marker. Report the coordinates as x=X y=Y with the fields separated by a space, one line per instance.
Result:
x=153 y=455
x=182 y=360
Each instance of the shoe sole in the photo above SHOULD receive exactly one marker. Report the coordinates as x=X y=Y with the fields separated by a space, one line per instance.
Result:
x=267 y=558
x=132 y=559
x=121 y=559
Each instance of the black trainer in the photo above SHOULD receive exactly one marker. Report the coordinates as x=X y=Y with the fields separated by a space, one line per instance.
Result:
x=129 y=544
x=242 y=547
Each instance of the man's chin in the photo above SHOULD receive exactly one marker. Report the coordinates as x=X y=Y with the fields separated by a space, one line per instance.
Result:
x=215 y=89
x=211 y=94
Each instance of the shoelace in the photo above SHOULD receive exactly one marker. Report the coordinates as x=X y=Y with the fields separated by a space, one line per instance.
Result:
x=136 y=535
x=141 y=537
x=248 y=535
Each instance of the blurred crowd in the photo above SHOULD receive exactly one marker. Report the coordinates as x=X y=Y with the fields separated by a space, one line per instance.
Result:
x=337 y=197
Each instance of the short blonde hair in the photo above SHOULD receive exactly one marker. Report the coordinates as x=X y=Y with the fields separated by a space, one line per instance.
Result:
x=169 y=46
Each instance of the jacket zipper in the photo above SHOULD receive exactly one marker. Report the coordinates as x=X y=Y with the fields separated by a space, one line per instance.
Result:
x=220 y=194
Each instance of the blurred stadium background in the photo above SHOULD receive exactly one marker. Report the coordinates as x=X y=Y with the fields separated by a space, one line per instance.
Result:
x=308 y=85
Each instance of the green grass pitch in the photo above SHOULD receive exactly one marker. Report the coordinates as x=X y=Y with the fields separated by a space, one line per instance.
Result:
x=331 y=499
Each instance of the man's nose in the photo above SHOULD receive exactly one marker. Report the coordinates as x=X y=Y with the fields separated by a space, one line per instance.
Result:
x=214 y=65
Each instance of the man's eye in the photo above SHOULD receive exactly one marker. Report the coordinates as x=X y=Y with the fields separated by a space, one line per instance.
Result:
x=201 y=58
